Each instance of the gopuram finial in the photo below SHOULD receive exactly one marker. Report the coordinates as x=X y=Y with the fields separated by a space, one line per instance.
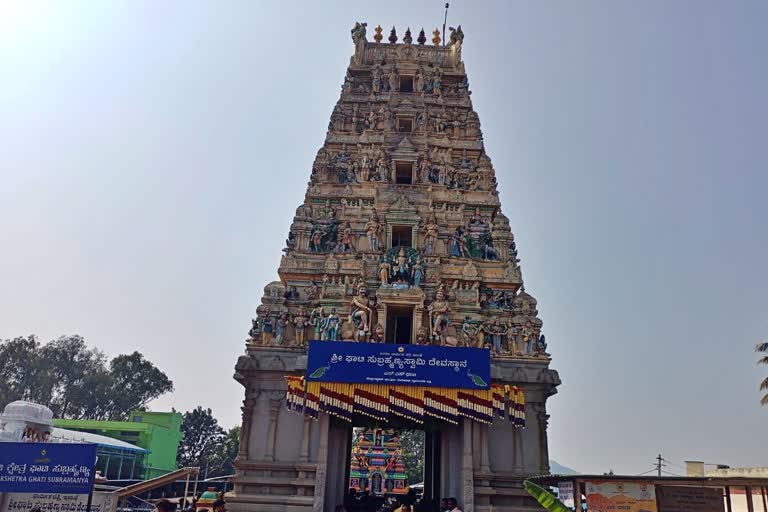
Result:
x=377 y=36
x=422 y=37
x=393 y=36
x=436 y=37
x=407 y=39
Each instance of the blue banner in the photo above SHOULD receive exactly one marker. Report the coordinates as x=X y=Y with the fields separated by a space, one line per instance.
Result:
x=402 y=365
x=47 y=467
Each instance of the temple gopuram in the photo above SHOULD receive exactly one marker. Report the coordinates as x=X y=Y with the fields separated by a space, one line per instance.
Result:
x=400 y=241
x=377 y=463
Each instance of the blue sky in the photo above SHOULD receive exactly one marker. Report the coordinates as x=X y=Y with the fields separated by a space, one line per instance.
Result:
x=154 y=153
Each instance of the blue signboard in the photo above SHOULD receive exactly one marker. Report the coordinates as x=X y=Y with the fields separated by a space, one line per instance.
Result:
x=47 y=467
x=402 y=365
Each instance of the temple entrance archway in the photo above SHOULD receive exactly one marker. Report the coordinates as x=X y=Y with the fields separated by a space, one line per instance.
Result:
x=399 y=325
x=386 y=458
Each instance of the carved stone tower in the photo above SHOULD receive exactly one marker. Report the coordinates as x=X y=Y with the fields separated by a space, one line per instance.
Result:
x=400 y=239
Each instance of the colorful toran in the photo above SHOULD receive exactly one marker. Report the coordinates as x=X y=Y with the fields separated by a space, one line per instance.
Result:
x=417 y=404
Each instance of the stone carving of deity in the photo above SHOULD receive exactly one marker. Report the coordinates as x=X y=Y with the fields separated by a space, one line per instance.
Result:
x=316 y=318
x=438 y=315
x=424 y=167
x=360 y=313
x=384 y=273
x=401 y=271
x=299 y=325
x=329 y=327
x=418 y=83
x=458 y=244
x=431 y=230
x=346 y=239
x=418 y=272
x=421 y=336
x=378 y=334
x=394 y=79
x=372 y=229
x=376 y=81
x=280 y=325
x=266 y=328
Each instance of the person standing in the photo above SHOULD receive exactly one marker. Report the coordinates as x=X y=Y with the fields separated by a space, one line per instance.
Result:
x=453 y=505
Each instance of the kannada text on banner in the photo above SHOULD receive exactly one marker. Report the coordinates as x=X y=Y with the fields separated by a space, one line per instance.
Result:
x=402 y=365
x=24 y=502
x=47 y=467
x=614 y=495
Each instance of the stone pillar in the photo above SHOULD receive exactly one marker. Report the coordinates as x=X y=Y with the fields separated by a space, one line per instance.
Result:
x=485 y=461
x=543 y=419
x=274 y=409
x=467 y=472
x=304 y=454
x=245 y=429
x=322 y=465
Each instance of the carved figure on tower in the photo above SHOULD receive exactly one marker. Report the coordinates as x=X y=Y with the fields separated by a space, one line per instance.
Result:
x=372 y=230
x=438 y=315
x=361 y=313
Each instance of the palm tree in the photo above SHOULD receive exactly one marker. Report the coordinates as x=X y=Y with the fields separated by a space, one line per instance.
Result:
x=763 y=348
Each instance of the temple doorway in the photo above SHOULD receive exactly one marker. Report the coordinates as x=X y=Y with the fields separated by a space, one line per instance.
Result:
x=399 y=324
x=390 y=464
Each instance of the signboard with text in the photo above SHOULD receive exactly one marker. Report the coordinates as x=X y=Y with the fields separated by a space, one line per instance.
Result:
x=565 y=494
x=402 y=365
x=47 y=467
x=689 y=499
x=614 y=495
x=47 y=502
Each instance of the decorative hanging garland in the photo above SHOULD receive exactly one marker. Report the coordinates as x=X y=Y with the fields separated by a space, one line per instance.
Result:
x=380 y=402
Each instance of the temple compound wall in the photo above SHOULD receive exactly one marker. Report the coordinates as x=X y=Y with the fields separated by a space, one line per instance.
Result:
x=400 y=239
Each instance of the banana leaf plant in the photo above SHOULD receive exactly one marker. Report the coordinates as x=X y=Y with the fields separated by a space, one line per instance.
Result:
x=545 y=498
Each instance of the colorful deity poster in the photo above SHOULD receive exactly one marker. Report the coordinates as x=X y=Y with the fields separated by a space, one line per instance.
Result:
x=619 y=496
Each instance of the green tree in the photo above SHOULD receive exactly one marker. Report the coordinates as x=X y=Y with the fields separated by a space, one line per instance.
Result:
x=762 y=347
x=412 y=444
x=202 y=440
x=75 y=380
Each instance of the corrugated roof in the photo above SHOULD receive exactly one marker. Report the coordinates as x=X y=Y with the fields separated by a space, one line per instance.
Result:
x=65 y=435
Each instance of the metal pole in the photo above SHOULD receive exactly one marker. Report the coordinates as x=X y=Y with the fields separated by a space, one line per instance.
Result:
x=445 y=19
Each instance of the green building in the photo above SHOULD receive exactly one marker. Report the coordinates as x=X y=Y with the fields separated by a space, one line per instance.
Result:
x=157 y=432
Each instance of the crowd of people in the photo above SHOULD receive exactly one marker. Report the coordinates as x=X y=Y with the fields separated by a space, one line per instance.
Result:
x=365 y=502
x=165 y=505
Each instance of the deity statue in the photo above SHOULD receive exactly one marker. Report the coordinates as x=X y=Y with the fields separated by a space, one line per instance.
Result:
x=401 y=270
x=360 y=313
x=312 y=291
x=495 y=330
x=418 y=82
x=329 y=327
x=417 y=272
x=345 y=239
x=299 y=325
x=394 y=79
x=480 y=331
x=372 y=228
x=316 y=321
x=541 y=346
x=512 y=341
x=280 y=325
x=358 y=32
x=456 y=37
x=422 y=121
x=376 y=79
x=378 y=334
x=431 y=230
x=384 y=273
x=459 y=244
x=436 y=83
x=438 y=314
x=266 y=328
x=468 y=332
x=370 y=122
x=255 y=329
x=421 y=336
x=529 y=337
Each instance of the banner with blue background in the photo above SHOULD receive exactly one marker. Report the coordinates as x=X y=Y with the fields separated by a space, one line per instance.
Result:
x=402 y=365
x=47 y=467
